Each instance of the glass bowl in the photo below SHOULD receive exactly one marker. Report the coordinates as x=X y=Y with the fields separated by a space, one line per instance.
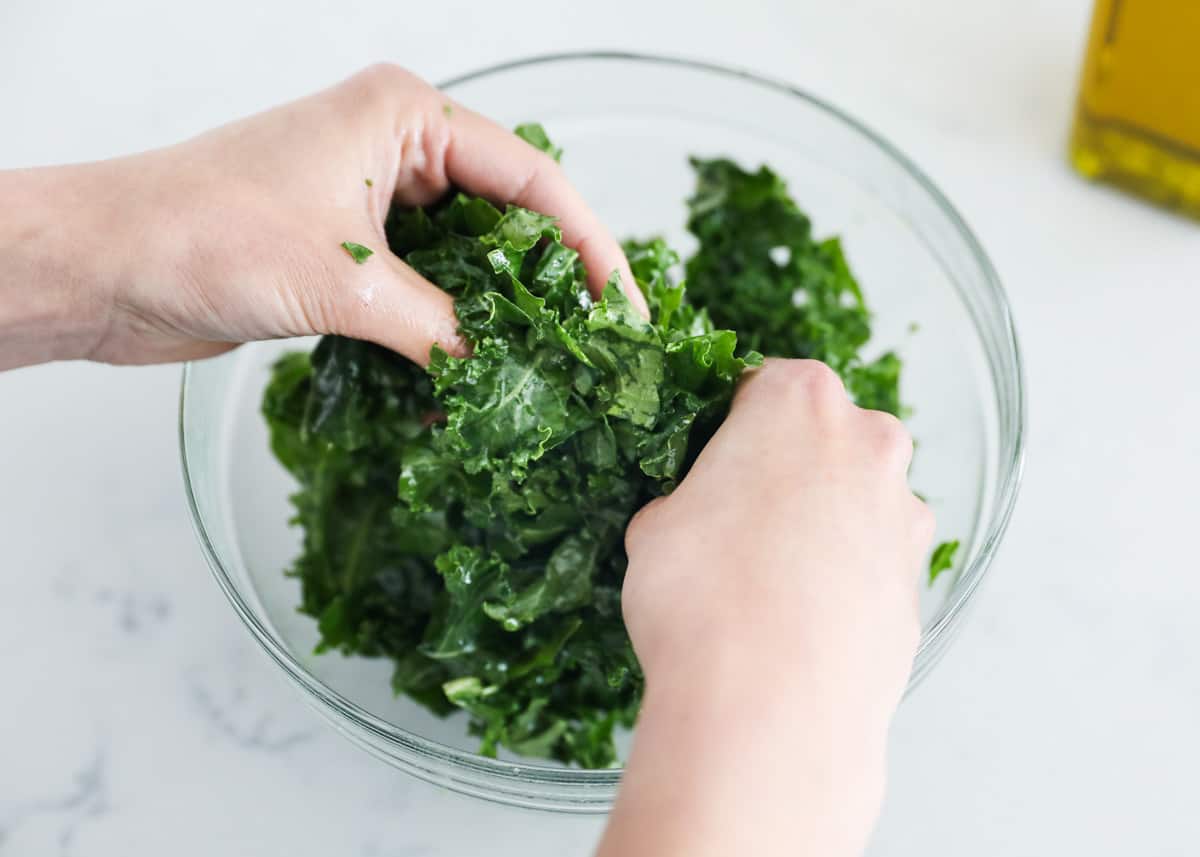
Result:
x=627 y=124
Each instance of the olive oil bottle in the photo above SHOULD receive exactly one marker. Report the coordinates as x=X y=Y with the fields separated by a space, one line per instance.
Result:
x=1137 y=123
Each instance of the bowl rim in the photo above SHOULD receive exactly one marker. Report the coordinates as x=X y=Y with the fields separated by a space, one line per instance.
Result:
x=523 y=775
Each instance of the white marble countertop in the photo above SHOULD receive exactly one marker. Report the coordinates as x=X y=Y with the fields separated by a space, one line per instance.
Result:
x=138 y=716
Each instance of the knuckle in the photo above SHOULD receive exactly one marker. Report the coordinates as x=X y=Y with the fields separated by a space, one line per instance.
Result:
x=385 y=74
x=820 y=382
x=892 y=436
x=383 y=83
x=807 y=379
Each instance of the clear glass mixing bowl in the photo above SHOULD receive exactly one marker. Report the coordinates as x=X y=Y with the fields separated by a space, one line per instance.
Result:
x=627 y=124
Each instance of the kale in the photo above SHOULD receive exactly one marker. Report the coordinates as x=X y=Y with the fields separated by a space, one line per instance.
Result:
x=760 y=272
x=535 y=135
x=942 y=559
x=467 y=521
x=358 y=252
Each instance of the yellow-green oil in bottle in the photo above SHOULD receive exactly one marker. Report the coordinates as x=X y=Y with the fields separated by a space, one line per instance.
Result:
x=1137 y=122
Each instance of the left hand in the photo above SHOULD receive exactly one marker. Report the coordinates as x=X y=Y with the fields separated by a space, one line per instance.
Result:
x=236 y=235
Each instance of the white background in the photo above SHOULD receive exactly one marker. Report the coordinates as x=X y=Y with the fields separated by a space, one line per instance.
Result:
x=138 y=717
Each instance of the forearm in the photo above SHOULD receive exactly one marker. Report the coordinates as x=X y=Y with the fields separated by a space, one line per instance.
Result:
x=751 y=771
x=56 y=270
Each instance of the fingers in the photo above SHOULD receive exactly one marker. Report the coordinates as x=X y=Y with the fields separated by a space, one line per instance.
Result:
x=891 y=440
x=809 y=383
x=387 y=302
x=448 y=144
x=488 y=160
x=807 y=396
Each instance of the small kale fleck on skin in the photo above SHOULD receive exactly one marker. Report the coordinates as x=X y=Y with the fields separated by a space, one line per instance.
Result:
x=467 y=522
x=535 y=135
x=358 y=252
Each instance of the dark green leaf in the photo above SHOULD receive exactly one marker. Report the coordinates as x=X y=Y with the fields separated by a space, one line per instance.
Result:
x=467 y=522
x=760 y=273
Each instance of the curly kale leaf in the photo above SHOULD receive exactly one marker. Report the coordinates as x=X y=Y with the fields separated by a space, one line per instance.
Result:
x=761 y=273
x=468 y=522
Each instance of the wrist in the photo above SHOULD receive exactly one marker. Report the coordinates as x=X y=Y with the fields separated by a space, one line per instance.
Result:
x=734 y=769
x=843 y=691
x=770 y=731
x=56 y=291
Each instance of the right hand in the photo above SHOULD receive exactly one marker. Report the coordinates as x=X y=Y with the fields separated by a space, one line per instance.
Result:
x=772 y=602
x=793 y=546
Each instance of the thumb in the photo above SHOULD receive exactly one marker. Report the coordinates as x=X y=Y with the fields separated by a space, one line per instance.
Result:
x=388 y=303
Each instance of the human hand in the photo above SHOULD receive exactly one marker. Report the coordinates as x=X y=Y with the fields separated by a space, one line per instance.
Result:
x=772 y=602
x=794 y=540
x=236 y=235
